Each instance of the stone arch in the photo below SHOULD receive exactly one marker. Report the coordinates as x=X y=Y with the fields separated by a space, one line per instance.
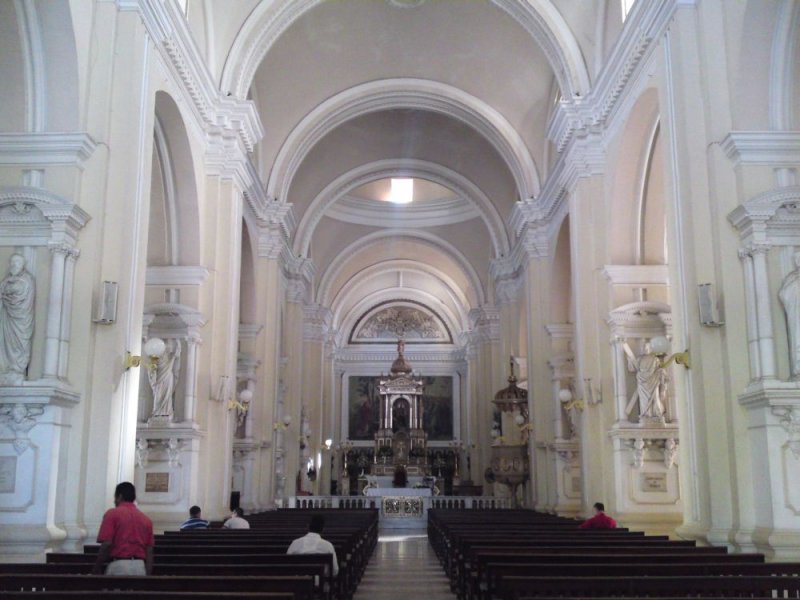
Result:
x=174 y=164
x=784 y=69
x=633 y=161
x=405 y=168
x=46 y=69
x=474 y=295
x=407 y=93
x=540 y=18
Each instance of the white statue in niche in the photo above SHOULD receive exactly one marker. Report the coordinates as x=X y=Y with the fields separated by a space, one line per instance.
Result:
x=651 y=386
x=17 y=293
x=163 y=381
x=789 y=295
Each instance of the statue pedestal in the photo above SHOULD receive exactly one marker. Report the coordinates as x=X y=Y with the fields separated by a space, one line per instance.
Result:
x=167 y=470
x=35 y=420
x=647 y=476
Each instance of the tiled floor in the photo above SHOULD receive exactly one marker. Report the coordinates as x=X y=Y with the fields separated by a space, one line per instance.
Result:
x=404 y=567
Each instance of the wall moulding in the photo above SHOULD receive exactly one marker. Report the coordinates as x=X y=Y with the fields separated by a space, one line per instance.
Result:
x=763 y=148
x=176 y=275
x=46 y=149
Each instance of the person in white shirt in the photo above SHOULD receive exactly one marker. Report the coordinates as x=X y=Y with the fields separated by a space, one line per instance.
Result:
x=236 y=521
x=312 y=542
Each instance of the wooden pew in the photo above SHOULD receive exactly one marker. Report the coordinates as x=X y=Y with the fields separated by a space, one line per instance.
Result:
x=300 y=587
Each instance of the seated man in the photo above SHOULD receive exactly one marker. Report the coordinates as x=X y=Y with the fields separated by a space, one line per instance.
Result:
x=600 y=520
x=195 y=520
x=312 y=542
x=125 y=537
x=236 y=521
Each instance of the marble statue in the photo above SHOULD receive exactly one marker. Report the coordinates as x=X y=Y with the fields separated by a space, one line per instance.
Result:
x=163 y=381
x=789 y=295
x=17 y=293
x=651 y=386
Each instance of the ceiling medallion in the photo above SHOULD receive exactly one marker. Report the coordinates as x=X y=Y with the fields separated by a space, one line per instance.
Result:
x=406 y=3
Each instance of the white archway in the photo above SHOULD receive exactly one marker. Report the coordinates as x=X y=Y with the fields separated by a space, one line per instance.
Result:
x=404 y=93
x=539 y=18
x=434 y=172
x=325 y=292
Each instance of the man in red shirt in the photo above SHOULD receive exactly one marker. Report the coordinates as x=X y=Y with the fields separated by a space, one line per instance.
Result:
x=125 y=537
x=600 y=520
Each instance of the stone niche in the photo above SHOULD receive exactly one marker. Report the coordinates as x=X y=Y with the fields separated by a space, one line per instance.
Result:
x=36 y=401
x=647 y=482
x=167 y=447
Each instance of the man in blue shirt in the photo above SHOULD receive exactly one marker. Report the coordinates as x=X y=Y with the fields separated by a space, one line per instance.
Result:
x=195 y=521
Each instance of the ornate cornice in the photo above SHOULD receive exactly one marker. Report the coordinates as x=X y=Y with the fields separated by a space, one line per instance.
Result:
x=766 y=148
x=45 y=149
x=758 y=220
x=229 y=123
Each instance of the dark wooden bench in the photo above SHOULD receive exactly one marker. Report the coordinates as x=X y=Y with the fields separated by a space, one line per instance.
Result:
x=301 y=587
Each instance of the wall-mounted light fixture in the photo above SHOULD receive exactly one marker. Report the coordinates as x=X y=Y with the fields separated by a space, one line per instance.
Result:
x=154 y=349
x=569 y=401
x=243 y=402
x=660 y=347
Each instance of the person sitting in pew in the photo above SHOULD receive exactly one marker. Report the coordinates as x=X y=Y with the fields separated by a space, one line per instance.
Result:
x=125 y=537
x=195 y=520
x=312 y=542
x=237 y=520
x=600 y=520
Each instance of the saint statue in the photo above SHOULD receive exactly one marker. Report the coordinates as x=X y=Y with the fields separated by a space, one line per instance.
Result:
x=17 y=293
x=651 y=386
x=789 y=295
x=163 y=381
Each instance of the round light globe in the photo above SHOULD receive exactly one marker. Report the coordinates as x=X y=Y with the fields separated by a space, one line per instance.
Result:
x=659 y=345
x=245 y=395
x=495 y=433
x=565 y=395
x=519 y=420
x=287 y=420
x=155 y=347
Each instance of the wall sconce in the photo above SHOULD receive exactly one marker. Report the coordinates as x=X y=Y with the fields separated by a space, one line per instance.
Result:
x=660 y=347
x=154 y=349
x=283 y=424
x=568 y=400
x=243 y=403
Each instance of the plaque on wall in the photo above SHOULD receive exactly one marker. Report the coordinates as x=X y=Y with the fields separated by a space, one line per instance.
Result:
x=156 y=482
x=654 y=482
x=8 y=474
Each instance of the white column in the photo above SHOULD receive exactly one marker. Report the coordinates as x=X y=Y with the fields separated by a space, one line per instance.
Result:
x=766 y=343
x=66 y=311
x=558 y=418
x=752 y=313
x=190 y=393
x=620 y=378
x=248 y=419
x=54 y=307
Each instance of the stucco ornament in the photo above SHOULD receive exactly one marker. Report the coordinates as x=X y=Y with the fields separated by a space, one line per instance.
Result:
x=17 y=293
x=163 y=381
x=401 y=321
x=20 y=419
x=789 y=295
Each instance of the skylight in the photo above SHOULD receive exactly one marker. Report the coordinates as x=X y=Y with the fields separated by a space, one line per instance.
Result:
x=402 y=191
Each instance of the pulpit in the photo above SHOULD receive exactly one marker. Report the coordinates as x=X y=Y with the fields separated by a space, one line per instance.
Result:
x=400 y=440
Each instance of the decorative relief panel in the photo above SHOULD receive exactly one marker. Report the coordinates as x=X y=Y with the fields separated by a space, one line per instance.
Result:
x=402 y=507
x=410 y=323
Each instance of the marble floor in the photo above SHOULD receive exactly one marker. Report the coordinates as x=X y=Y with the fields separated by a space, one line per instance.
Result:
x=404 y=567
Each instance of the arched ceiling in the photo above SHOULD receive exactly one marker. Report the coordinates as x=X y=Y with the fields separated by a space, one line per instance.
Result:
x=455 y=93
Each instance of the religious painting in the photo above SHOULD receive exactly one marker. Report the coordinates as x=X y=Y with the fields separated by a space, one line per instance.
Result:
x=437 y=407
x=364 y=407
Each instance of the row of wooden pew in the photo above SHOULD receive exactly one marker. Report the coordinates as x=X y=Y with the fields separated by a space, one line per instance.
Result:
x=516 y=555
x=249 y=563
